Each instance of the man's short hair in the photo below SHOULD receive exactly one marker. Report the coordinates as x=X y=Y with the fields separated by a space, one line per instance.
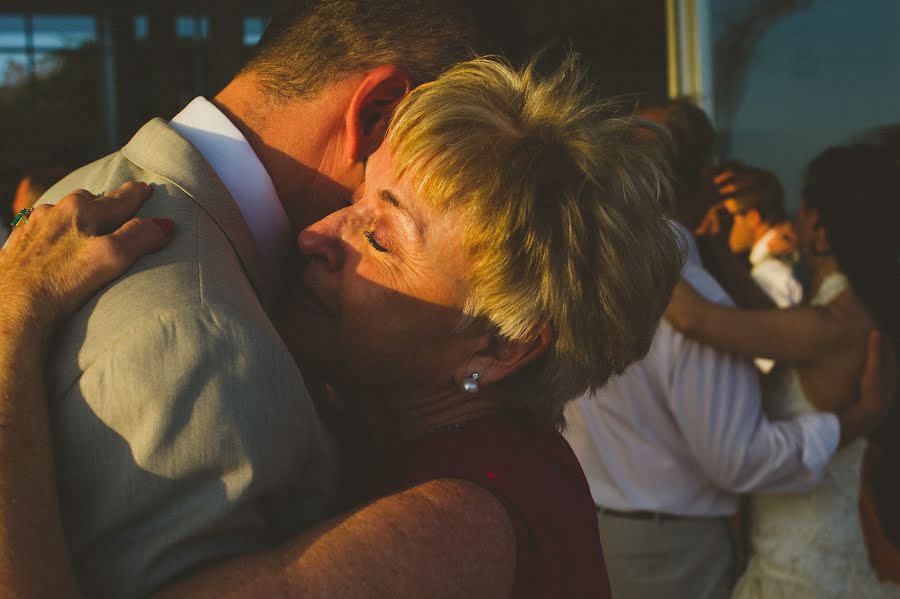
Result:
x=693 y=138
x=757 y=189
x=312 y=43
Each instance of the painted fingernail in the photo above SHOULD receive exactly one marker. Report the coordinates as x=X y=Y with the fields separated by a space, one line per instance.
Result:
x=166 y=225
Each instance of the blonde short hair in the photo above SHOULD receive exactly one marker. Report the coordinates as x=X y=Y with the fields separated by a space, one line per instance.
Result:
x=563 y=209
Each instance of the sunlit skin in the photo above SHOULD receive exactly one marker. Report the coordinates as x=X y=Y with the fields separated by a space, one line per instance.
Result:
x=746 y=229
x=314 y=147
x=382 y=291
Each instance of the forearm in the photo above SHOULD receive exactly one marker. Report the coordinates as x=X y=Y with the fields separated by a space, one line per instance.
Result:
x=798 y=334
x=34 y=560
x=396 y=546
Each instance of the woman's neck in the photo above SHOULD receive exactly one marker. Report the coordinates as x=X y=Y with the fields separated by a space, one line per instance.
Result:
x=390 y=421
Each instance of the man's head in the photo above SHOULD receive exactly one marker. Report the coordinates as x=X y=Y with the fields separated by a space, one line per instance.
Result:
x=315 y=97
x=692 y=160
x=754 y=199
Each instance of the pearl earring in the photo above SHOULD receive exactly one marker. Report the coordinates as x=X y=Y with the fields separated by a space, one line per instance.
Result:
x=470 y=385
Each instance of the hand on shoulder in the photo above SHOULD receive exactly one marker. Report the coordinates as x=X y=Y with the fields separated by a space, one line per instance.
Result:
x=57 y=256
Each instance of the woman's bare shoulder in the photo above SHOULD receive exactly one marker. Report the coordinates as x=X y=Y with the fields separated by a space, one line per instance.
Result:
x=832 y=381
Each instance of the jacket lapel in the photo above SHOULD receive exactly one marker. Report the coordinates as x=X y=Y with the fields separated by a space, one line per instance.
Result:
x=159 y=148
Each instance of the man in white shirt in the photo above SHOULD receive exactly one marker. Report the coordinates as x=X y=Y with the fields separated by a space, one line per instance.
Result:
x=755 y=200
x=669 y=445
x=185 y=433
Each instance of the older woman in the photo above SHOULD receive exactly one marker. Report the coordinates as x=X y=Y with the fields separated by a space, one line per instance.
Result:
x=508 y=250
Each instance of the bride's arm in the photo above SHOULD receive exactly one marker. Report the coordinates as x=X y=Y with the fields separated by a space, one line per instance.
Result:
x=798 y=334
x=49 y=267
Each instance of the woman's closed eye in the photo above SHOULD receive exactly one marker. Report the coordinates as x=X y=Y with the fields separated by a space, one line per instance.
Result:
x=373 y=241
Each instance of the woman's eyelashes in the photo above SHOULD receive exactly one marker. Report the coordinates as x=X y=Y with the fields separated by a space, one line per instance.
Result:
x=373 y=241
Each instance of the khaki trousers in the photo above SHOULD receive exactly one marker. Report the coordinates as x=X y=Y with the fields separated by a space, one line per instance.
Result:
x=683 y=558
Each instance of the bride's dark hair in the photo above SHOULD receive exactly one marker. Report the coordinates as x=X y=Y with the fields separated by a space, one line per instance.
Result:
x=856 y=190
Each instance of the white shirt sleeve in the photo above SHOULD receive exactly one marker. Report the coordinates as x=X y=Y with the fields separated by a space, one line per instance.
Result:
x=715 y=399
x=777 y=281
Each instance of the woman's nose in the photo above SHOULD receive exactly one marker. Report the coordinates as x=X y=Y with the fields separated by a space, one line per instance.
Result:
x=321 y=240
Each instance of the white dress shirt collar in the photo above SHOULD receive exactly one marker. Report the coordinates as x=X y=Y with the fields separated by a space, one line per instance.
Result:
x=760 y=250
x=229 y=154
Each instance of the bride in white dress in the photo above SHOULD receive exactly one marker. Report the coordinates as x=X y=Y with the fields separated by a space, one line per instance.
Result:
x=811 y=545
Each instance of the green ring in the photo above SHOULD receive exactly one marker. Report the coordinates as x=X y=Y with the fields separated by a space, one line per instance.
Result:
x=21 y=218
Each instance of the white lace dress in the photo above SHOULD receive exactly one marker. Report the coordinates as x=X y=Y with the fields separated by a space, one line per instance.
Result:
x=810 y=545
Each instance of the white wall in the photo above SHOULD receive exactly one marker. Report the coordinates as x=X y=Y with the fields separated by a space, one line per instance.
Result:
x=818 y=77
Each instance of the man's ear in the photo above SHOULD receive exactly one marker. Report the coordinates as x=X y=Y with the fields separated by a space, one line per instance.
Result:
x=502 y=357
x=371 y=107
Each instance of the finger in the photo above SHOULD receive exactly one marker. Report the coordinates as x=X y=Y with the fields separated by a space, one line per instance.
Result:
x=889 y=363
x=81 y=195
x=723 y=176
x=36 y=215
x=138 y=237
x=109 y=211
x=74 y=203
x=880 y=369
x=109 y=256
x=874 y=355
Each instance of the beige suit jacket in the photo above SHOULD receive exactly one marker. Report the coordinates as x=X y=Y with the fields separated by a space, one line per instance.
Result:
x=183 y=431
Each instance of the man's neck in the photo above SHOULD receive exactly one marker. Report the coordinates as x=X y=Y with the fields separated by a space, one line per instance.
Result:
x=294 y=139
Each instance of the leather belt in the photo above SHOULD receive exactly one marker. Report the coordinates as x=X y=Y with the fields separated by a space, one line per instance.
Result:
x=642 y=515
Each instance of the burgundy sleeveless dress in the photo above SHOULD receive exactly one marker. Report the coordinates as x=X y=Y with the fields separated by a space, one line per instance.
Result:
x=535 y=475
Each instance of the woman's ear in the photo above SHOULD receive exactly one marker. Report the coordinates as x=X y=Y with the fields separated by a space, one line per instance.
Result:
x=502 y=357
x=370 y=109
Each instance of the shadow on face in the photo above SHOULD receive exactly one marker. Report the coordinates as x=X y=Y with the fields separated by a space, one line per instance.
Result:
x=375 y=300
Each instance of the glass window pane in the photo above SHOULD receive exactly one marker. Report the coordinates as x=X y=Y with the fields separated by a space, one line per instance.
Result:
x=12 y=31
x=141 y=27
x=57 y=32
x=253 y=29
x=13 y=69
x=46 y=63
x=184 y=27
x=191 y=27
